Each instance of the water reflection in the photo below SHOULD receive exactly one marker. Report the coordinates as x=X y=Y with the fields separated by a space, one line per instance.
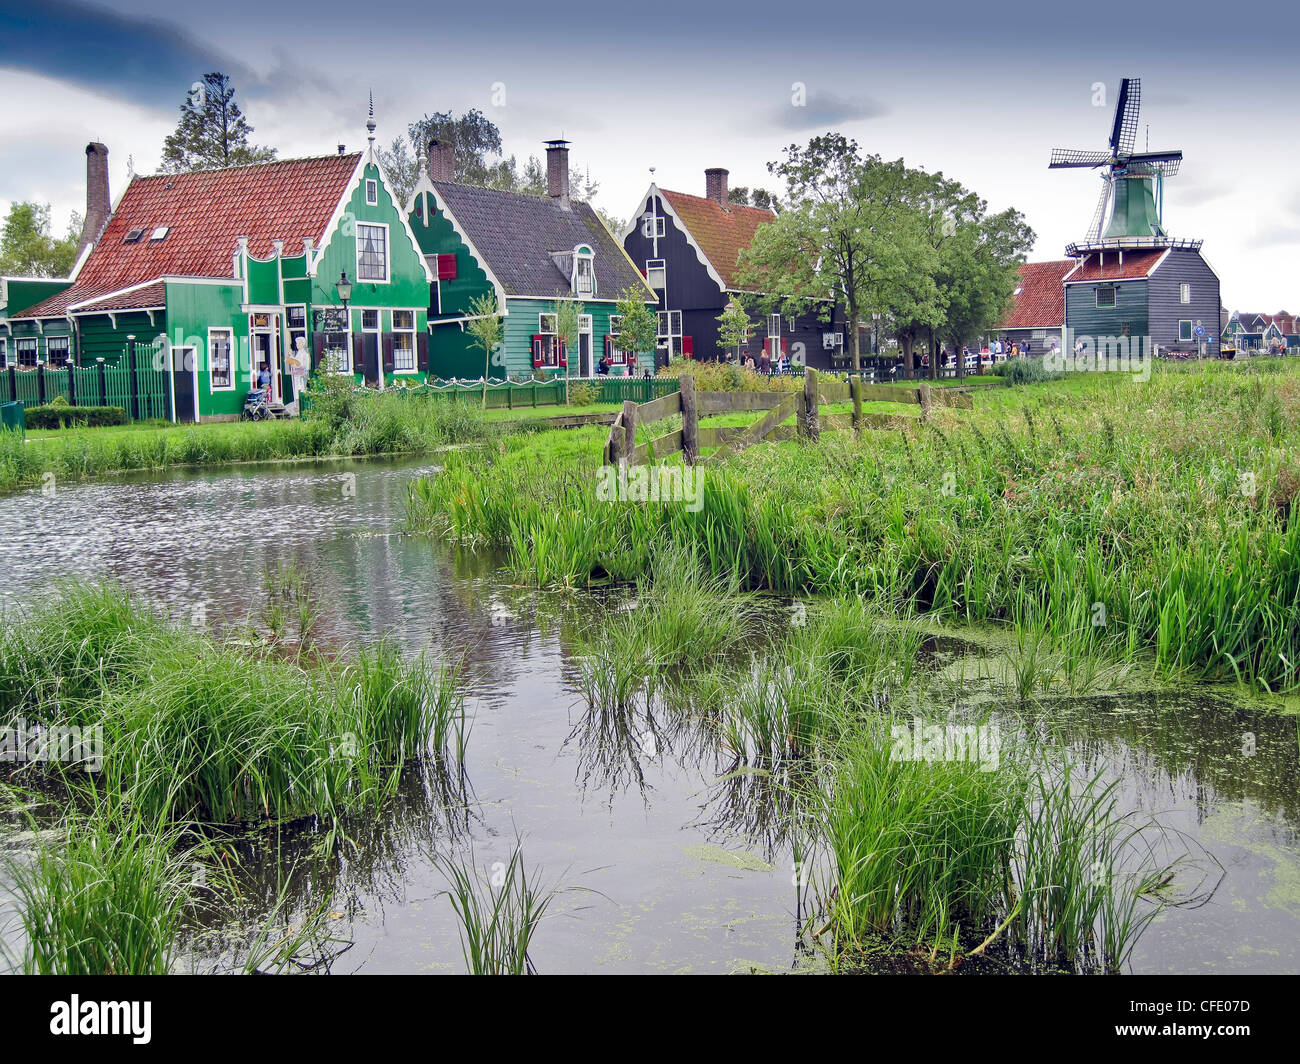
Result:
x=632 y=788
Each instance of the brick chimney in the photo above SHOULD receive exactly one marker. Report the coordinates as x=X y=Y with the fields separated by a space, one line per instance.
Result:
x=98 y=204
x=557 y=171
x=441 y=161
x=715 y=185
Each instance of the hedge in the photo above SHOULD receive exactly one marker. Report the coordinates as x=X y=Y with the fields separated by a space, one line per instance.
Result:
x=61 y=415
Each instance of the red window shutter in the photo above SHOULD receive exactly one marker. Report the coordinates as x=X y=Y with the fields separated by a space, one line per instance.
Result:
x=564 y=353
x=422 y=352
x=688 y=345
x=358 y=354
x=784 y=347
x=447 y=267
x=318 y=350
x=388 y=352
x=767 y=346
x=609 y=345
x=537 y=349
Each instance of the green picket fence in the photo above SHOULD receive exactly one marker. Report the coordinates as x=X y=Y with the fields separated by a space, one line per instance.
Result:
x=142 y=392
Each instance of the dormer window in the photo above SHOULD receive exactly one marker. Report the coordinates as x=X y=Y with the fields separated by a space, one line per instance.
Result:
x=584 y=273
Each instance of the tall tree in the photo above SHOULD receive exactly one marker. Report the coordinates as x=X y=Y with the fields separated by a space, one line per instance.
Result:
x=850 y=230
x=28 y=248
x=212 y=131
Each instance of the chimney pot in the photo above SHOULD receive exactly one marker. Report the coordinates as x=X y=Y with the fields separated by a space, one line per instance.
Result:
x=98 y=204
x=557 y=171
x=715 y=185
x=441 y=160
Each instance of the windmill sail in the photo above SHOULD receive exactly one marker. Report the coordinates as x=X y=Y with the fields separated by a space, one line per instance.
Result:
x=1128 y=210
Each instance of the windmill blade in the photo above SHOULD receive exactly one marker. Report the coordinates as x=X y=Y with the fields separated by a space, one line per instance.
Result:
x=1165 y=162
x=1099 y=215
x=1154 y=156
x=1125 y=129
x=1068 y=157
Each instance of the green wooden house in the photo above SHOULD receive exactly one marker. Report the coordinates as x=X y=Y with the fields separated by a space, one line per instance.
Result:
x=530 y=251
x=225 y=271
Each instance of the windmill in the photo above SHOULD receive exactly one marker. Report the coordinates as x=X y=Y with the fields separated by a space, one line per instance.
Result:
x=1132 y=181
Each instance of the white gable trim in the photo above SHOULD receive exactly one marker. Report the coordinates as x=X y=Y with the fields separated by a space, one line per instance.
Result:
x=669 y=212
x=336 y=220
x=425 y=186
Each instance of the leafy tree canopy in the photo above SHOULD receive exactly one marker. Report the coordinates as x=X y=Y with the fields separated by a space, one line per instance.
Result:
x=28 y=248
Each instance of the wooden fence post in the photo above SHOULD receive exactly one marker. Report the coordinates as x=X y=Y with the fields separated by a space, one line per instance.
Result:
x=810 y=427
x=855 y=393
x=923 y=393
x=690 y=421
x=629 y=431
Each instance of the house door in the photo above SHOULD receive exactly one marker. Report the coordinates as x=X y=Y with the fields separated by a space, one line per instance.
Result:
x=266 y=352
x=370 y=358
x=585 y=368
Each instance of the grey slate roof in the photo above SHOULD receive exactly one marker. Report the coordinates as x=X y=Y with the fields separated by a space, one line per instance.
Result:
x=518 y=234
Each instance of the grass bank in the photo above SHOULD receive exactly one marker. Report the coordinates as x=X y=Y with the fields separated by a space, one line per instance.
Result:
x=1139 y=517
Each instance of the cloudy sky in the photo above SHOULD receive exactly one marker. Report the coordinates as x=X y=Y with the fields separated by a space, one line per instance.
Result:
x=981 y=91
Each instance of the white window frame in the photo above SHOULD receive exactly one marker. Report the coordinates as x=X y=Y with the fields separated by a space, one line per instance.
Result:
x=20 y=345
x=67 y=351
x=1114 y=295
x=372 y=192
x=659 y=266
x=654 y=227
x=230 y=361
x=774 y=326
x=4 y=352
x=388 y=253
x=1185 y=292
x=616 y=355
x=670 y=339
x=415 y=354
x=550 y=340
x=332 y=365
x=1191 y=330
x=589 y=259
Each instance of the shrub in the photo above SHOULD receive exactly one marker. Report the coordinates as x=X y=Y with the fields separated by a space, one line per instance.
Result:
x=583 y=394
x=59 y=414
x=1022 y=371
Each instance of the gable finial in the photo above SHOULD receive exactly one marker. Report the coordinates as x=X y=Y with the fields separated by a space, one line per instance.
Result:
x=370 y=122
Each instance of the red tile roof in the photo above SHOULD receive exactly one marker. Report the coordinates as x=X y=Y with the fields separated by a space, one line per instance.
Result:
x=1040 y=299
x=206 y=211
x=721 y=232
x=1106 y=265
x=150 y=295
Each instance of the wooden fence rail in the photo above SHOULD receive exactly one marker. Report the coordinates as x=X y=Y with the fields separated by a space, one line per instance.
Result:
x=622 y=448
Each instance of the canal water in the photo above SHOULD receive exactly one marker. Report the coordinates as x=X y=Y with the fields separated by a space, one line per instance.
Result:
x=678 y=871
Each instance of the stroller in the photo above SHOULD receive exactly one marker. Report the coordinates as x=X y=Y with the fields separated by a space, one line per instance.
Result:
x=257 y=406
